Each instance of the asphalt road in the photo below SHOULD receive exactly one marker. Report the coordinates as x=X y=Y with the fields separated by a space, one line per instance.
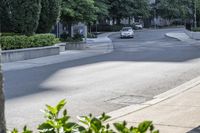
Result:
x=137 y=70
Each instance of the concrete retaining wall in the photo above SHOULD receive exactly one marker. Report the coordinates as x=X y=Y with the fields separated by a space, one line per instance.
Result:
x=29 y=53
x=75 y=46
x=193 y=35
x=62 y=46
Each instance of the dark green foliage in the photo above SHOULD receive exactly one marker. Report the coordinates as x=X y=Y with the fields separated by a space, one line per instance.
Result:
x=107 y=28
x=58 y=121
x=74 y=11
x=120 y=9
x=91 y=35
x=171 y=9
x=49 y=15
x=196 y=29
x=67 y=38
x=22 y=41
x=25 y=15
x=5 y=24
x=102 y=9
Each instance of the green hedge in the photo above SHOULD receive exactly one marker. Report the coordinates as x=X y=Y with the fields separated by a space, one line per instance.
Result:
x=196 y=29
x=22 y=41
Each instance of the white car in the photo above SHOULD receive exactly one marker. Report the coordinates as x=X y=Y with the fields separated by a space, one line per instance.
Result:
x=139 y=26
x=127 y=32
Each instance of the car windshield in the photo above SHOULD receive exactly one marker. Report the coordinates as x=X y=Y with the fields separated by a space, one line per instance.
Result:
x=126 y=29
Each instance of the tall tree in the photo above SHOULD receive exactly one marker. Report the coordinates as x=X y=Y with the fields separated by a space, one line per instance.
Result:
x=78 y=11
x=128 y=8
x=4 y=16
x=102 y=9
x=171 y=9
x=49 y=15
x=25 y=15
x=74 y=11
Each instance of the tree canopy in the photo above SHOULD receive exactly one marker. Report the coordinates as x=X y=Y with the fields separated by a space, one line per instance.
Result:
x=74 y=11
x=25 y=15
x=128 y=8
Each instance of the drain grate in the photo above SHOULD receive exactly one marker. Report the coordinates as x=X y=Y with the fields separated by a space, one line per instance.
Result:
x=128 y=99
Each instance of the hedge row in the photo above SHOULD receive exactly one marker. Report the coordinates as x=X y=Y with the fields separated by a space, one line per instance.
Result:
x=22 y=41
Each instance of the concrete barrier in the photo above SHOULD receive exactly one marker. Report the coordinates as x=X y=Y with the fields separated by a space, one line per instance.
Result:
x=75 y=45
x=193 y=35
x=62 y=46
x=29 y=53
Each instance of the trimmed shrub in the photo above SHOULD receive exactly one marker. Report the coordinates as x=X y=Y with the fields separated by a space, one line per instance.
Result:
x=25 y=15
x=49 y=14
x=40 y=40
x=196 y=29
x=22 y=41
x=64 y=37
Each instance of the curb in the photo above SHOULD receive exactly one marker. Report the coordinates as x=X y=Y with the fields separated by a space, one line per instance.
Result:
x=156 y=99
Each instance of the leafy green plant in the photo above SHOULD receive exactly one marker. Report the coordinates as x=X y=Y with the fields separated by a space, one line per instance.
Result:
x=54 y=123
x=25 y=130
x=93 y=124
x=143 y=127
x=58 y=121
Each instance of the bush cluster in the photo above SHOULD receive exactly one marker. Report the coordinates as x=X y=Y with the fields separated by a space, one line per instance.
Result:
x=107 y=28
x=196 y=29
x=22 y=41
x=91 y=35
x=67 y=38
x=57 y=122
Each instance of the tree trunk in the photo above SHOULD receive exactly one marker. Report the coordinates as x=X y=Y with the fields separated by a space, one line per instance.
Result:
x=118 y=21
x=129 y=20
x=2 y=104
x=69 y=28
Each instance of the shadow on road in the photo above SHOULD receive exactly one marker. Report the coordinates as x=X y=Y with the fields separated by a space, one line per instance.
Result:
x=195 y=130
x=27 y=82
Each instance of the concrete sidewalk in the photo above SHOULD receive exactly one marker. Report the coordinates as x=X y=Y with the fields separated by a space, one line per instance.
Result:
x=97 y=46
x=181 y=36
x=175 y=111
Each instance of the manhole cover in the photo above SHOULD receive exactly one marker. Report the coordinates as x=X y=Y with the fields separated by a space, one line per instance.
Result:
x=128 y=99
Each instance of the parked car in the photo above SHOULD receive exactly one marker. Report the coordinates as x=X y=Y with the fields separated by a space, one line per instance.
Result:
x=138 y=26
x=127 y=32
